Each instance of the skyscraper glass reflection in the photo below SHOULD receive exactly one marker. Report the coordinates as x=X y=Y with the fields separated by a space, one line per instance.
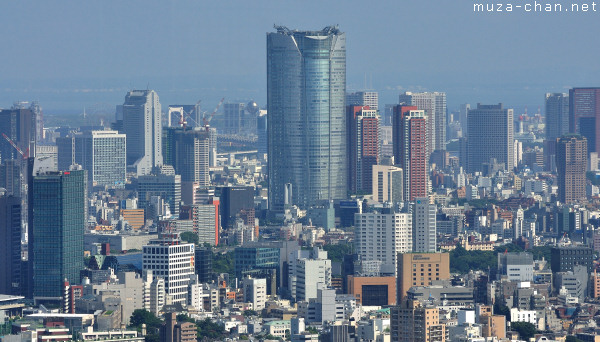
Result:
x=306 y=87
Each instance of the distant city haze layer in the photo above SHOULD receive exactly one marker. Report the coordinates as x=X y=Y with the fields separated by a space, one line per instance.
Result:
x=71 y=54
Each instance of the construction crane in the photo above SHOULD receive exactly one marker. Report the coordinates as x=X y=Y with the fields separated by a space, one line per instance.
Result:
x=12 y=143
x=207 y=121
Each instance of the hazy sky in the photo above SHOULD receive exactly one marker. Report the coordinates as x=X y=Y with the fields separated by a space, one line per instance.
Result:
x=70 y=54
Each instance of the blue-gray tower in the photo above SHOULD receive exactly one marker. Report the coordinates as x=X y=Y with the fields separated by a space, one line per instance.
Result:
x=306 y=87
x=59 y=214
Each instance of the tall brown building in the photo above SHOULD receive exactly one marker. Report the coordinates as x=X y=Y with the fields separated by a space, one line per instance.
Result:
x=411 y=150
x=492 y=325
x=571 y=163
x=173 y=331
x=420 y=269
x=413 y=322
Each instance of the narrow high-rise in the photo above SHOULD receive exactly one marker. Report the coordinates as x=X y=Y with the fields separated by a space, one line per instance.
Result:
x=491 y=135
x=10 y=246
x=306 y=88
x=557 y=124
x=142 y=122
x=571 y=163
x=434 y=105
x=584 y=115
x=424 y=222
x=59 y=200
x=410 y=150
x=363 y=147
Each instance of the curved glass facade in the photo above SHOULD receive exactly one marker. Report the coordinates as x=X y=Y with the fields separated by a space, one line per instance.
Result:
x=306 y=87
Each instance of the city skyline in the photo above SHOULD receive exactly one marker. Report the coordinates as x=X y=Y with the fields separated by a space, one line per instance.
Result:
x=505 y=61
x=311 y=208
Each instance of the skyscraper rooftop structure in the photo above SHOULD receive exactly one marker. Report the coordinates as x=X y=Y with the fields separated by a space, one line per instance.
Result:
x=306 y=88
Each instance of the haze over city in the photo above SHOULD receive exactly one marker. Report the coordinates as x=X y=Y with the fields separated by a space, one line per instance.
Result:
x=323 y=171
x=72 y=54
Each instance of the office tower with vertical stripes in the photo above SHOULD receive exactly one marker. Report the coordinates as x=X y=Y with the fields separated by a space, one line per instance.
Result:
x=491 y=136
x=306 y=89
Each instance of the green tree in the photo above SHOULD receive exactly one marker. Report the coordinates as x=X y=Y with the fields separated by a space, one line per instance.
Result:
x=248 y=313
x=501 y=309
x=337 y=251
x=185 y=318
x=190 y=237
x=526 y=330
x=462 y=261
x=210 y=330
x=224 y=263
x=141 y=316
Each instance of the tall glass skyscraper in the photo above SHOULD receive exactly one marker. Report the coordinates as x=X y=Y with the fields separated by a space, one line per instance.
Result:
x=58 y=225
x=306 y=88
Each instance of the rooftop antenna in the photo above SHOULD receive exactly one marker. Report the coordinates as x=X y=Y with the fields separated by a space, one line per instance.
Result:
x=365 y=84
x=371 y=85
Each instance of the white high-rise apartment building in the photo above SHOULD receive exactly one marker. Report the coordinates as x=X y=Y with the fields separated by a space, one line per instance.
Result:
x=434 y=105
x=173 y=261
x=381 y=236
x=424 y=221
x=309 y=271
x=255 y=292
x=142 y=123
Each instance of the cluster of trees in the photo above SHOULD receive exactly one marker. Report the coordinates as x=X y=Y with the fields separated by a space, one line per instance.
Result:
x=223 y=263
x=462 y=261
x=336 y=252
x=153 y=324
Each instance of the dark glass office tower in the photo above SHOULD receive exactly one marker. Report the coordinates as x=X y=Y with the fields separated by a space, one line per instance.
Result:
x=306 y=88
x=58 y=225
x=10 y=246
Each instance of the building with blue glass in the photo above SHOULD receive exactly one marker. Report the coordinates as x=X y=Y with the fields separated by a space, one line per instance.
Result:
x=252 y=258
x=58 y=227
x=306 y=88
